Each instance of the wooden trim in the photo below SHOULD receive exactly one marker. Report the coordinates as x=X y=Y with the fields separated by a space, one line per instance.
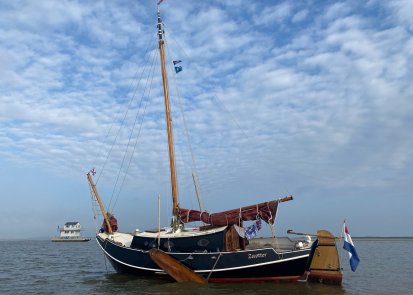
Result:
x=168 y=117
x=102 y=208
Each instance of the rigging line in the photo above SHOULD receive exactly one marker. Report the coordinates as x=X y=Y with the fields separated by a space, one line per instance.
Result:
x=193 y=166
x=171 y=108
x=169 y=202
x=233 y=118
x=131 y=133
x=188 y=140
x=126 y=151
x=215 y=264
x=151 y=45
x=125 y=114
x=92 y=198
x=137 y=136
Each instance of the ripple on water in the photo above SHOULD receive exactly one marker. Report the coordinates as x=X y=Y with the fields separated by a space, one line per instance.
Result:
x=43 y=267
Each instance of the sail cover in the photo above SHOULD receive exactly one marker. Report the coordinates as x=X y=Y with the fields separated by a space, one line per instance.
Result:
x=266 y=211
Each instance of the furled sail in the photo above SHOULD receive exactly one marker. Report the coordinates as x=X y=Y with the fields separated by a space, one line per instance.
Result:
x=266 y=211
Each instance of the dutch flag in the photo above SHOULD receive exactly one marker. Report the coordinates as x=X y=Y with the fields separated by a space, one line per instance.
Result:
x=349 y=246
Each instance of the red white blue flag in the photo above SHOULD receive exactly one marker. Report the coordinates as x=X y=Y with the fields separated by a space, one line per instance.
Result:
x=349 y=246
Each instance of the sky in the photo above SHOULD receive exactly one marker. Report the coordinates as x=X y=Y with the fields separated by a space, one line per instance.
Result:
x=308 y=98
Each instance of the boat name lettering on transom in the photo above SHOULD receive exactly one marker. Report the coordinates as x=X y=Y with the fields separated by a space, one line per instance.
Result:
x=259 y=255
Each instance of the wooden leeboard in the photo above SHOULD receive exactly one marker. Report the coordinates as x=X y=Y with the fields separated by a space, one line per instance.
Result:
x=174 y=268
x=325 y=265
x=325 y=256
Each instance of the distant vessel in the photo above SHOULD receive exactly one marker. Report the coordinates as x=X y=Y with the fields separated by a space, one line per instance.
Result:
x=70 y=233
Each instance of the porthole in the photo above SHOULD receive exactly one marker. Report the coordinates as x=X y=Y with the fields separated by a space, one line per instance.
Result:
x=203 y=243
x=168 y=244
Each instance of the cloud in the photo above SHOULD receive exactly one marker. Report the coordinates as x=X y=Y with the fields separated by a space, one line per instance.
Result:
x=276 y=13
x=403 y=12
x=300 y=16
x=277 y=98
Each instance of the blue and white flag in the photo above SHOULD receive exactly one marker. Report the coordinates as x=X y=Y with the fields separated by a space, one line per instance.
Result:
x=349 y=246
x=252 y=230
x=177 y=68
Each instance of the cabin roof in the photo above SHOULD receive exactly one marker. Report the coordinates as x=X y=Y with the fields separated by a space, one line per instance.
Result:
x=71 y=223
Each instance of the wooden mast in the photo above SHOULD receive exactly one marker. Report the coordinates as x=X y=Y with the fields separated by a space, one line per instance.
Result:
x=175 y=202
x=102 y=208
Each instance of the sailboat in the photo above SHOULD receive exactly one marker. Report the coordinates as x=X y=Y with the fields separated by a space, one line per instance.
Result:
x=220 y=251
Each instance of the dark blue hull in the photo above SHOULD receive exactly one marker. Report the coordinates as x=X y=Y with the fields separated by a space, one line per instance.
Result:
x=257 y=264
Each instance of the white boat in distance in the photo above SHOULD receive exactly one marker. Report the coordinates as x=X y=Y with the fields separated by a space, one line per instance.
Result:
x=70 y=232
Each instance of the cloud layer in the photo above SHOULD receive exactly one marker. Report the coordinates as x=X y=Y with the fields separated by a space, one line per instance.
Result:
x=310 y=99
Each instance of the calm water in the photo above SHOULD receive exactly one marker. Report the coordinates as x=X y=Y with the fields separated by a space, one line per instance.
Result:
x=43 y=267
